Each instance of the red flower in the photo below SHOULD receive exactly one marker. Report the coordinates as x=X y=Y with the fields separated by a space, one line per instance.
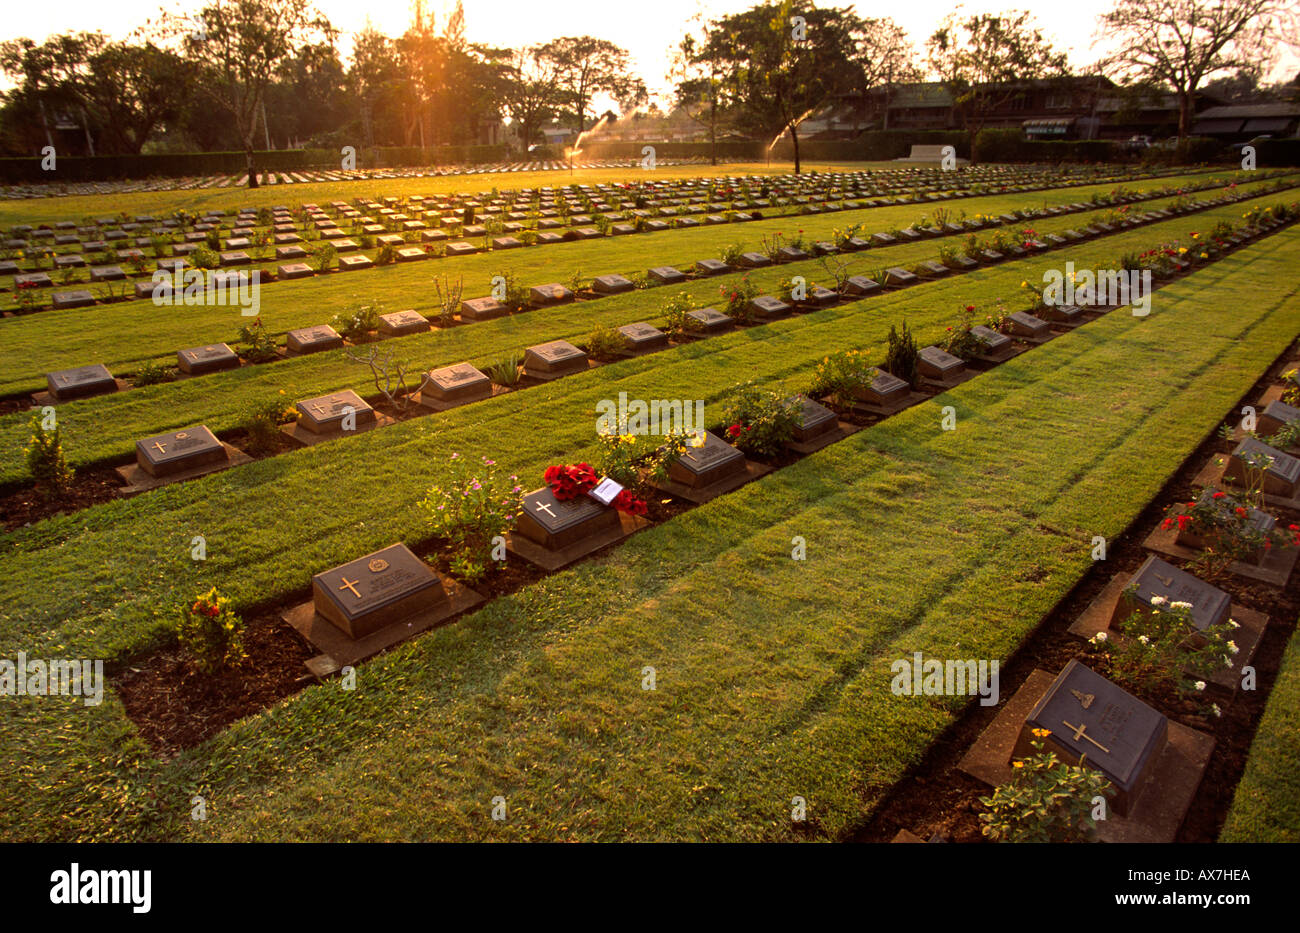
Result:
x=626 y=502
x=734 y=431
x=1167 y=524
x=970 y=307
x=1218 y=495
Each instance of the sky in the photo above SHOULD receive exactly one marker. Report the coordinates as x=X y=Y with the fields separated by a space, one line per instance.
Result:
x=648 y=29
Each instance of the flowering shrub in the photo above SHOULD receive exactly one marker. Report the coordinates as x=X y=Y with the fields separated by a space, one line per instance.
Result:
x=1224 y=526
x=958 y=339
x=469 y=504
x=737 y=297
x=1046 y=800
x=1291 y=388
x=759 y=420
x=675 y=311
x=357 y=321
x=261 y=346
x=842 y=375
x=211 y=632
x=1162 y=648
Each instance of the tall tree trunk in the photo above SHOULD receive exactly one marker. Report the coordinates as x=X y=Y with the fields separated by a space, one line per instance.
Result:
x=794 y=138
x=1184 y=110
x=713 y=132
x=248 y=161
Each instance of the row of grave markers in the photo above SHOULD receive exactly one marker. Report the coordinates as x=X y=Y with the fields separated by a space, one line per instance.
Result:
x=95 y=379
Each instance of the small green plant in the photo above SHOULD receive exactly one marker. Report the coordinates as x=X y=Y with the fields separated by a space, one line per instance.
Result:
x=731 y=253
x=1046 y=800
x=902 y=356
x=1161 y=648
x=262 y=421
x=449 y=296
x=505 y=371
x=259 y=346
x=152 y=373
x=205 y=258
x=958 y=339
x=605 y=343
x=470 y=505
x=760 y=421
x=44 y=455
x=843 y=375
x=356 y=322
x=211 y=632
x=386 y=255
x=736 y=299
x=675 y=311
x=322 y=256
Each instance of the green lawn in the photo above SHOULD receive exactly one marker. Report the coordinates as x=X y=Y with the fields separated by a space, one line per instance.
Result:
x=1266 y=807
x=770 y=681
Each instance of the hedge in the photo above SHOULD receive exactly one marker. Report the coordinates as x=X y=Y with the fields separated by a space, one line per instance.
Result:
x=106 y=168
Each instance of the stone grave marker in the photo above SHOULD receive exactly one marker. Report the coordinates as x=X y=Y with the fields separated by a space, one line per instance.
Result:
x=454 y=385
x=179 y=451
x=1275 y=416
x=73 y=298
x=768 y=307
x=313 y=339
x=1023 y=324
x=481 y=309
x=860 y=285
x=553 y=293
x=709 y=320
x=294 y=270
x=997 y=346
x=753 y=260
x=896 y=276
x=1158 y=579
x=667 y=275
x=1062 y=314
x=611 y=284
x=401 y=323
x=326 y=414
x=1093 y=720
x=209 y=359
x=940 y=366
x=556 y=525
x=715 y=461
x=80 y=382
x=884 y=391
x=1251 y=458
x=375 y=591
x=553 y=359
x=643 y=338
x=815 y=420
x=711 y=267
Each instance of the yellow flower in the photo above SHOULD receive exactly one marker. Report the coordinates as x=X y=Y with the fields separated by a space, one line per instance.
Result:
x=1042 y=733
x=1017 y=764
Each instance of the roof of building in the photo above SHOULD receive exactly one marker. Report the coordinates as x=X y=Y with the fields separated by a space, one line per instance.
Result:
x=1250 y=111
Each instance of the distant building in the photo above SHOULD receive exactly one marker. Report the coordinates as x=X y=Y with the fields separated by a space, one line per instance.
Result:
x=1239 y=123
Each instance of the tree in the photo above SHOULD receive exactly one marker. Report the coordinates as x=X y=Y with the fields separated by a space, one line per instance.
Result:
x=696 y=72
x=585 y=67
x=887 y=58
x=1180 y=43
x=238 y=46
x=530 y=93
x=781 y=62
x=985 y=60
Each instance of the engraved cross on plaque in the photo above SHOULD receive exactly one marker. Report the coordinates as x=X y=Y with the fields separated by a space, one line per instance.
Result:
x=350 y=585
x=161 y=448
x=1080 y=734
x=545 y=507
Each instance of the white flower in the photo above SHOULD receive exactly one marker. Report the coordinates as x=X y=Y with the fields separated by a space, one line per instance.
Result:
x=1158 y=600
x=1099 y=638
x=1199 y=685
x=1180 y=605
x=1232 y=647
x=1233 y=623
x=1214 y=708
x=1144 y=639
